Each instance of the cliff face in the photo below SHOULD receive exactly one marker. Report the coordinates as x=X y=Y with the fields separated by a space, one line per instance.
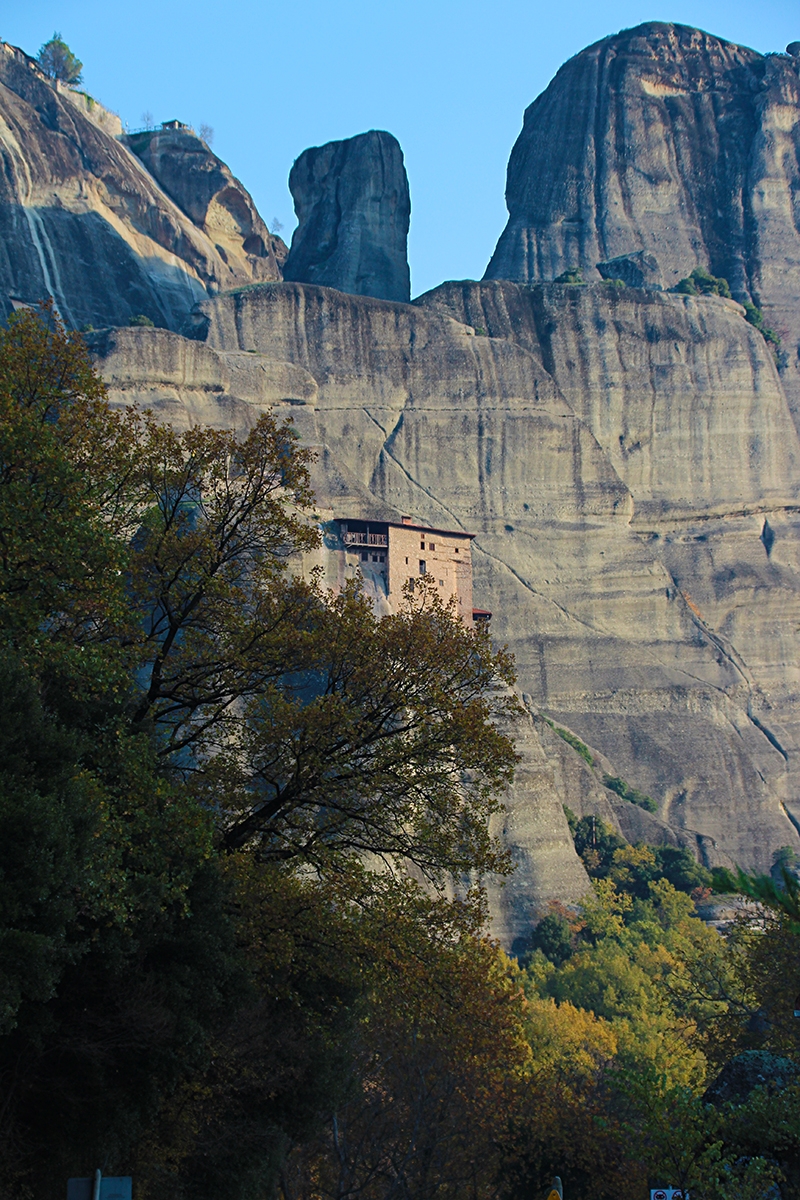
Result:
x=667 y=140
x=203 y=187
x=353 y=209
x=620 y=455
x=83 y=221
x=626 y=457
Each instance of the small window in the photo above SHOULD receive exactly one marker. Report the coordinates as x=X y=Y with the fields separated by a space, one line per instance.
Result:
x=411 y=583
x=406 y=562
x=364 y=556
x=431 y=545
x=422 y=543
x=441 y=583
x=423 y=567
x=456 y=549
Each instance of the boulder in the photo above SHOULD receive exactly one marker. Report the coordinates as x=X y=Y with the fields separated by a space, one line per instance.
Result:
x=638 y=270
x=353 y=209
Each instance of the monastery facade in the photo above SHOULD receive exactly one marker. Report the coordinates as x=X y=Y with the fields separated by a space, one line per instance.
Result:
x=390 y=555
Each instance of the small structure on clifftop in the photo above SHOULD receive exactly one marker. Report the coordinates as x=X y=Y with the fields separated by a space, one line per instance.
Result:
x=394 y=554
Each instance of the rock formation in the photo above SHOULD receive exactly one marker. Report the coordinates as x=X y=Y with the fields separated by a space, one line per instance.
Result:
x=82 y=220
x=671 y=141
x=204 y=188
x=353 y=209
x=618 y=453
x=627 y=457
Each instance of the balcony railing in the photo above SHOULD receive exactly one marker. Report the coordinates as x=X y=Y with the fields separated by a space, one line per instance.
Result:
x=365 y=539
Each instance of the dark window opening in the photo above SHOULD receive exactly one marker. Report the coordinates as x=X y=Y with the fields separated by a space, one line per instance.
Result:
x=423 y=567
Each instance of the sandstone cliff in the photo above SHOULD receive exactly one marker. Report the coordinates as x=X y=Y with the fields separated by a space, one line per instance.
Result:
x=82 y=220
x=204 y=188
x=353 y=209
x=668 y=140
x=626 y=457
x=620 y=455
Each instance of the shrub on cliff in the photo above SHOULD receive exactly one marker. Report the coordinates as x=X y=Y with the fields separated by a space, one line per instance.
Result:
x=701 y=283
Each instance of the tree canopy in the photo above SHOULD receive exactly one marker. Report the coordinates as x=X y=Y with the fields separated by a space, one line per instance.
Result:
x=57 y=60
x=192 y=735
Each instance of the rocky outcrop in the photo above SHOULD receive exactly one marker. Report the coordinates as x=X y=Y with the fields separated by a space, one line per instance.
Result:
x=83 y=221
x=639 y=270
x=204 y=188
x=353 y=208
x=667 y=140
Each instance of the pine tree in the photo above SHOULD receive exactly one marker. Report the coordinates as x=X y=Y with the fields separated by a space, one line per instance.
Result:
x=57 y=60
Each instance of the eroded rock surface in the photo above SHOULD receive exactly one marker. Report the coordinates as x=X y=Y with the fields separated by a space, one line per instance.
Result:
x=353 y=208
x=626 y=457
x=634 y=585
x=83 y=221
x=668 y=140
x=204 y=188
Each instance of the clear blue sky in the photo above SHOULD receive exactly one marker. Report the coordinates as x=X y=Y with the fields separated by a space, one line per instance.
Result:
x=449 y=79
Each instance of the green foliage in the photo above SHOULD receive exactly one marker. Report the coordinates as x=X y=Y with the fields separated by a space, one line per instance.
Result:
x=606 y=855
x=782 y=895
x=572 y=740
x=141 y=320
x=755 y=317
x=553 y=936
x=575 y=275
x=199 y=756
x=723 y=881
x=57 y=60
x=701 y=283
x=615 y=283
x=626 y=792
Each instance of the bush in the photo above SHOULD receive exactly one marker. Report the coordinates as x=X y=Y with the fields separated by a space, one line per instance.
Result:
x=701 y=283
x=683 y=871
x=141 y=319
x=723 y=881
x=626 y=792
x=573 y=276
x=575 y=742
x=553 y=936
x=755 y=317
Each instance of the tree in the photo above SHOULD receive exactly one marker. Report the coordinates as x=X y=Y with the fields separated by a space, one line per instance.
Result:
x=57 y=60
x=207 y=766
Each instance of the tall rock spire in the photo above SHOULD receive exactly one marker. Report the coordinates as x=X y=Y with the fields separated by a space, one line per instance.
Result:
x=353 y=207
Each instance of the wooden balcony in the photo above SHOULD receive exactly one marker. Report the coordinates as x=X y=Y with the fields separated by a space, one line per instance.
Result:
x=365 y=539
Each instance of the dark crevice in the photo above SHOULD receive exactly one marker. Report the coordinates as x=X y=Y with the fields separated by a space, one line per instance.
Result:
x=791 y=818
x=769 y=735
